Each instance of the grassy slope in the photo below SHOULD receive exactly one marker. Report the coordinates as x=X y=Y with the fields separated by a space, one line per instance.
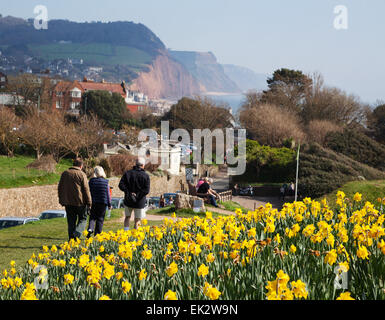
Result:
x=13 y=172
x=98 y=53
x=19 y=243
x=370 y=190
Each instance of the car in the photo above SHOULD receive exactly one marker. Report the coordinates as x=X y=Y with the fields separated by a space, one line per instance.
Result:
x=51 y=214
x=117 y=203
x=169 y=198
x=153 y=202
x=7 y=222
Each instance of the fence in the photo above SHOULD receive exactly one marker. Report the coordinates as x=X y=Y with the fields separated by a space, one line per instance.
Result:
x=226 y=195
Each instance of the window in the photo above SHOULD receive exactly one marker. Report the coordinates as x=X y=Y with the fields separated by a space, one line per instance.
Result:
x=74 y=105
x=76 y=94
x=58 y=104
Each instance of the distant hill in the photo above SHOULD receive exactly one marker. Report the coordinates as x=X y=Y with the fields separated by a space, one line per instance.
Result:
x=205 y=68
x=245 y=78
x=15 y=31
x=112 y=52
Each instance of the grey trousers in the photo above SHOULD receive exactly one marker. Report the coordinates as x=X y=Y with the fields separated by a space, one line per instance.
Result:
x=77 y=221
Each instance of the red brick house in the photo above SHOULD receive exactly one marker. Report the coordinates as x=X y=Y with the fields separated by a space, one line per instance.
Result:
x=68 y=95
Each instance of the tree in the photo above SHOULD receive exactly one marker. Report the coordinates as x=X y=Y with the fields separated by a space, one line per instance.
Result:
x=9 y=125
x=287 y=89
x=92 y=134
x=34 y=131
x=110 y=107
x=331 y=104
x=29 y=91
x=376 y=123
x=271 y=125
x=198 y=113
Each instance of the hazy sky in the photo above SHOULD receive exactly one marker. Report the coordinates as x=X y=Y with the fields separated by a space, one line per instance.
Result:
x=263 y=35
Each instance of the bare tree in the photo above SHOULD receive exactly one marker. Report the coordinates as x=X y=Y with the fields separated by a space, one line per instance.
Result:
x=332 y=104
x=92 y=134
x=30 y=90
x=9 y=126
x=271 y=125
x=35 y=132
x=317 y=130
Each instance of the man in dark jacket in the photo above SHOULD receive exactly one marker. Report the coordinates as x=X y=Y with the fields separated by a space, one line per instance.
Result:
x=135 y=184
x=74 y=195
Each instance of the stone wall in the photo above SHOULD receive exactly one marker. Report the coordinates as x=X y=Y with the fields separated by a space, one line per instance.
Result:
x=31 y=201
x=158 y=185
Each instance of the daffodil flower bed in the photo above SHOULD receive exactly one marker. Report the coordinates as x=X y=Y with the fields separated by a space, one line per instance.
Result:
x=293 y=253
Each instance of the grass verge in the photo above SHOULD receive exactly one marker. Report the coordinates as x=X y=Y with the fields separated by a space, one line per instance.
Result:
x=19 y=243
x=370 y=190
x=13 y=172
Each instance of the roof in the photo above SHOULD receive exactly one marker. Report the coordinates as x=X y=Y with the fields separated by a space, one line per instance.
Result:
x=67 y=85
x=112 y=87
x=54 y=211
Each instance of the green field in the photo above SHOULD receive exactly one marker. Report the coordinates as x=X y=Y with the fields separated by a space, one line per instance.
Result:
x=13 y=172
x=19 y=243
x=97 y=53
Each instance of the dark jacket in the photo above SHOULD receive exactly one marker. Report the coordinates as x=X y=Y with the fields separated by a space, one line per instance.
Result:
x=73 y=189
x=100 y=191
x=138 y=182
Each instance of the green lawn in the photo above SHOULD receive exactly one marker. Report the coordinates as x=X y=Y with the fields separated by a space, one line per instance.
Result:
x=370 y=190
x=97 y=53
x=19 y=243
x=13 y=172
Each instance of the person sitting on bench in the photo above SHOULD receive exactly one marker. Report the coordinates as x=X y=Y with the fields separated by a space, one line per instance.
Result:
x=205 y=191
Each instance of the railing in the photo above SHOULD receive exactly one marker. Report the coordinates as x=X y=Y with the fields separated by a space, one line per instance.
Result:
x=226 y=196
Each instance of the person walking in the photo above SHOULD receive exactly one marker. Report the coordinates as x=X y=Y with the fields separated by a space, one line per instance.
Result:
x=135 y=184
x=74 y=194
x=101 y=200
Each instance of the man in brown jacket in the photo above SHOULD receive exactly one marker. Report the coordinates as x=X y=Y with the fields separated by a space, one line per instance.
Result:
x=74 y=195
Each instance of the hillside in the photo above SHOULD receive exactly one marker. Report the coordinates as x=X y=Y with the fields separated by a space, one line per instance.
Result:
x=245 y=78
x=205 y=68
x=322 y=171
x=111 y=51
x=166 y=79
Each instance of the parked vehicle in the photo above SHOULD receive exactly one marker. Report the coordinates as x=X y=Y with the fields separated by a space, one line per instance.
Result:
x=169 y=198
x=51 y=214
x=248 y=191
x=153 y=202
x=117 y=203
x=8 y=222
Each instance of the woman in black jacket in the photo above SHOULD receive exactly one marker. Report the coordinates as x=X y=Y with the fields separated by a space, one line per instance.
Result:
x=100 y=193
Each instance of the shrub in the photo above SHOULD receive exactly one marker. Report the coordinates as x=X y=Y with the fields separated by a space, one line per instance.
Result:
x=120 y=163
x=268 y=164
x=271 y=125
x=317 y=130
x=45 y=163
x=322 y=171
x=357 y=146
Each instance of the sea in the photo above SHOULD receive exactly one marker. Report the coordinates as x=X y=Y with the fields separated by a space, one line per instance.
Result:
x=233 y=100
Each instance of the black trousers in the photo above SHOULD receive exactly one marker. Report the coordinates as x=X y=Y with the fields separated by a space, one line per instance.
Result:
x=77 y=221
x=98 y=212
